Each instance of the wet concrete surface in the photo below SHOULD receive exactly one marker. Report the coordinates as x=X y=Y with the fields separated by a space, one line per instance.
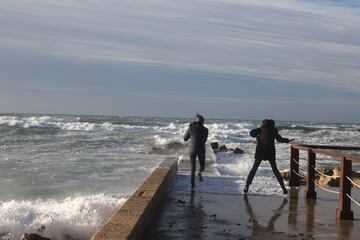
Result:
x=199 y=215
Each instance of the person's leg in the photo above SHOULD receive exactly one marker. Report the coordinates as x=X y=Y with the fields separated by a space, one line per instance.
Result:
x=278 y=175
x=193 y=168
x=253 y=171
x=252 y=174
x=201 y=156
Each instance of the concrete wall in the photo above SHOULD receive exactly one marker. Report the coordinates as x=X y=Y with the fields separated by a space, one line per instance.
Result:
x=132 y=219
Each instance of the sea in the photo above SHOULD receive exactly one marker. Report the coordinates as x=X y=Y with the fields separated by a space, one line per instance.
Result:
x=64 y=175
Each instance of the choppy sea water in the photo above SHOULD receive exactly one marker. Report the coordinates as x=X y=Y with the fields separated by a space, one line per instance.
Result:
x=66 y=174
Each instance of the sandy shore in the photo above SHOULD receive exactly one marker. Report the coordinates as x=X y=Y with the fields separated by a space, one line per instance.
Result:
x=219 y=216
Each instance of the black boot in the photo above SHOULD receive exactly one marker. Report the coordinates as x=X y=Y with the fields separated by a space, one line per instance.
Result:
x=246 y=188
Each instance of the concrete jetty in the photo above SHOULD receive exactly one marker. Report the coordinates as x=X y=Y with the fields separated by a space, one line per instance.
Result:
x=137 y=213
x=202 y=215
x=161 y=210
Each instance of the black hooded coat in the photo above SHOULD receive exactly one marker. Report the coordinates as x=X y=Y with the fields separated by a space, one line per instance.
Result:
x=198 y=135
x=266 y=135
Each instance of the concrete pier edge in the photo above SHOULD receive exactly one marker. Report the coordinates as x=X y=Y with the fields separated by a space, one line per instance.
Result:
x=133 y=218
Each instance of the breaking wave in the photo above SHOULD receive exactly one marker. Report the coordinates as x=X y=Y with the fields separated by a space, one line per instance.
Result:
x=78 y=217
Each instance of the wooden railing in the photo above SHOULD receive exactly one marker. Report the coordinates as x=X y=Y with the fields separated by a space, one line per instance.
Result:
x=344 y=211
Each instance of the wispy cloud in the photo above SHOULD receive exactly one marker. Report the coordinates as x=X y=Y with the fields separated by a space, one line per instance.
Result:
x=300 y=41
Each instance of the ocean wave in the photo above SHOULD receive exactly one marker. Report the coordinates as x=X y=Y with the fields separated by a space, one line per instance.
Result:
x=159 y=140
x=47 y=122
x=78 y=216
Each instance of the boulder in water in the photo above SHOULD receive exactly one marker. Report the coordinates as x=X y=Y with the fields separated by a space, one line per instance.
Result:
x=33 y=236
x=238 y=151
x=223 y=148
x=286 y=176
x=333 y=178
x=214 y=146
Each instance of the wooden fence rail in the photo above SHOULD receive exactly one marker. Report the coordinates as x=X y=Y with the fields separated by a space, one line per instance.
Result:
x=344 y=211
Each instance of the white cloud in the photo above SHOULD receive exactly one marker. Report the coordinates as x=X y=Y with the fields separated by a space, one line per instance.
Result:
x=290 y=40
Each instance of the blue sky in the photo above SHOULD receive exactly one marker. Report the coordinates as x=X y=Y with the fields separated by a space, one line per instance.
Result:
x=251 y=59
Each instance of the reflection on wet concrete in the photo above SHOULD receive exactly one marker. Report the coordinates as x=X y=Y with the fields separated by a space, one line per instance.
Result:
x=293 y=207
x=257 y=229
x=310 y=218
x=201 y=215
x=195 y=215
x=344 y=230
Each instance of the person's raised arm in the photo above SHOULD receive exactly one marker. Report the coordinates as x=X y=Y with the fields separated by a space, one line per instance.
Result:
x=255 y=132
x=279 y=138
x=187 y=135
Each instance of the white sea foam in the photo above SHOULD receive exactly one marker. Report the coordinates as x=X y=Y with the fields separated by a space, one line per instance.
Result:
x=77 y=216
x=47 y=122
x=229 y=185
x=166 y=140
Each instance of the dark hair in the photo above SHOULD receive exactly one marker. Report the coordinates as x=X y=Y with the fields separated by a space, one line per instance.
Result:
x=200 y=118
x=268 y=123
x=271 y=123
x=265 y=122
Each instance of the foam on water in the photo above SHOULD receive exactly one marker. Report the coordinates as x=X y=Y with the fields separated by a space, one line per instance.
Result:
x=78 y=216
x=47 y=122
x=96 y=153
x=228 y=185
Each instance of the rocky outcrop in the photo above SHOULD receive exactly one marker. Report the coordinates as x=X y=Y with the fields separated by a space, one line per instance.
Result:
x=286 y=176
x=223 y=148
x=238 y=151
x=33 y=236
x=332 y=179
x=214 y=146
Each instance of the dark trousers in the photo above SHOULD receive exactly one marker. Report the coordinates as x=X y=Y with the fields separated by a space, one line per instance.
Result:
x=201 y=156
x=274 y=169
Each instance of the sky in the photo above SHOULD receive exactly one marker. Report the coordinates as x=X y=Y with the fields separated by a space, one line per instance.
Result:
x=242 y=59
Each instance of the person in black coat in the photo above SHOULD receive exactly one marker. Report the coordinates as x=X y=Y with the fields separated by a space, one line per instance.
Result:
x=197 y=134
x=265 y=150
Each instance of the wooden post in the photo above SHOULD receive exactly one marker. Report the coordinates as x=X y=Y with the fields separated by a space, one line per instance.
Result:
x=310 y=193
x=294 y=167
x=344 y=211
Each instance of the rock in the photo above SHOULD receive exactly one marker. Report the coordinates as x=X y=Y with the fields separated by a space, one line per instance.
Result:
x=285 y=175
x=334 y=182
x=222 y=148
x=33 y=236
x=238 y=151
x=324 y=170
x=181 y=201
x=5 y=236
x=214 y=145
x=336 y=172
x=333 y=179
